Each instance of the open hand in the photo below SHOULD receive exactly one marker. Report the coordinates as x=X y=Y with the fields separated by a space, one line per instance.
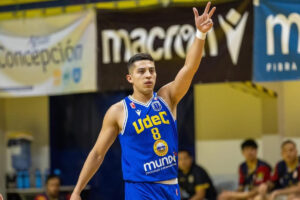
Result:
x=204 y=22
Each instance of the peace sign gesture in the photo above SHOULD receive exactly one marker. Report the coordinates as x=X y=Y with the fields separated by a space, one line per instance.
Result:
x=204 y=22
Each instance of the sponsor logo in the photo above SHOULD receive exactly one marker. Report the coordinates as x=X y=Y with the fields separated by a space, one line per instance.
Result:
x=57 y=77
x=191 y=179
x=160 y=147
x=160 y=164
x=235 y=32
x=132 y=105
x=138 y=112
x=177 y=39
x=156 y=106
x=285 y=23
x=77 y=73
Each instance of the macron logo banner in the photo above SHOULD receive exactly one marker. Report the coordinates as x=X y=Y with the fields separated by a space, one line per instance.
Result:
x=167 y=35
x=277 y=40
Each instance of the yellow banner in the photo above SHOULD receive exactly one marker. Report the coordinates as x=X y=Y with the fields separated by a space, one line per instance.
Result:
x=48 y=56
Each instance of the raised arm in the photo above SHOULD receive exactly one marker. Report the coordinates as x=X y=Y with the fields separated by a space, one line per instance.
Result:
x=107 y=136
x=175 y=90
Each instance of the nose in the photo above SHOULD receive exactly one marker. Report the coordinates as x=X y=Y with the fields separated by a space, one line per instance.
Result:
x=148 y=74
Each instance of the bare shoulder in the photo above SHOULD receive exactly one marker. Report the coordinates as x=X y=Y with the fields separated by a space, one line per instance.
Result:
x=116 y=113
x=117 y=107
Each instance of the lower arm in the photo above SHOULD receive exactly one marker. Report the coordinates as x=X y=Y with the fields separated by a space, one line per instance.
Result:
x=194 y=54
x=292 y=189
x=90 y=167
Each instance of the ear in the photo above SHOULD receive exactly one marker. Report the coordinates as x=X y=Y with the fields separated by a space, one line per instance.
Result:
x=129 y=78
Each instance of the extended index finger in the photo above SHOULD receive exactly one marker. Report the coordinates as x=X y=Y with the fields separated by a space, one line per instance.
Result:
x=207 y=8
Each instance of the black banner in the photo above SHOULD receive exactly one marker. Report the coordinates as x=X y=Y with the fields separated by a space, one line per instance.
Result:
x=166 y=33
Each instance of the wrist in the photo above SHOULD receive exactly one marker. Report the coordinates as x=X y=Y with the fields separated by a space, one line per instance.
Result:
x=200 y=35
x=76 y=191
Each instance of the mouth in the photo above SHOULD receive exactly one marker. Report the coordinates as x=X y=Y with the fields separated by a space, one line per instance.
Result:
x=148 y=83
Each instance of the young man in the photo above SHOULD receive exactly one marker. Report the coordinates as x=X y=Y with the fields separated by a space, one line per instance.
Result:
x=194 y=182
x=52 y=190
x=286 y=178
x=252 y=173
x=145 y=123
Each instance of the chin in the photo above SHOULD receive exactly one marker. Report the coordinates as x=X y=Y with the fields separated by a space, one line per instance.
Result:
x=148 y=91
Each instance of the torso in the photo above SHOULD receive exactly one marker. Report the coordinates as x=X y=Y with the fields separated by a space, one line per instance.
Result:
x=256 y=175
x=148 y=137
x=286 y=176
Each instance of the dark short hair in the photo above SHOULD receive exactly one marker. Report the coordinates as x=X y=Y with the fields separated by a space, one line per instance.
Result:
x=249 y=143
x=137 y=57
x=288 y=142
x=52 y=176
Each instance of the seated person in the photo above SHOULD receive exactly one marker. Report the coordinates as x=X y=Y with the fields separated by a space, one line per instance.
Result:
x=52 y=190
x=194 y=182
x=252 y=173
x=285 y=180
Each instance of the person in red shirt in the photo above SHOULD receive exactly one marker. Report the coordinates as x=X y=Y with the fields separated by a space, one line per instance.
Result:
x=52 y=190
x=252 y=173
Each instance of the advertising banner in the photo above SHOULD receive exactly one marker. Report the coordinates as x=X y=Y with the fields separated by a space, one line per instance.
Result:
x=48 y=56
x=166 y=34
x=277 y=40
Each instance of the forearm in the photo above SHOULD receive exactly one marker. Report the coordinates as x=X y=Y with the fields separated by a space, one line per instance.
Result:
x=197 y=197
x=90 y=167
x=194 y=55
x=290 y=190
x=240 y=195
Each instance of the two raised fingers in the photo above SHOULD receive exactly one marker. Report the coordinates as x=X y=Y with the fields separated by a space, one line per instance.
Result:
x=210 y=13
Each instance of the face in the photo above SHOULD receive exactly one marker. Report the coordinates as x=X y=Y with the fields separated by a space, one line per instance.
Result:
x=53 y=187
x=184 y=161
x=250 y=153
x=289 y=153
x=142 y=76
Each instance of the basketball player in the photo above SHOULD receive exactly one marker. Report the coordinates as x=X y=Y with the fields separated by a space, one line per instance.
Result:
x=146 y=125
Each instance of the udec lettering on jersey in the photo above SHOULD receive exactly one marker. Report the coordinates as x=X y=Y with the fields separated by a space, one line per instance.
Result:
x=144 y=123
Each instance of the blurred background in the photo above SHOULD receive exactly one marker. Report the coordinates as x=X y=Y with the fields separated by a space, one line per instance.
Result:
x=63 y=63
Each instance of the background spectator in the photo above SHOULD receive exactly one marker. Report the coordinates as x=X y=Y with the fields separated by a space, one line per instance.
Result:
x=194 y=182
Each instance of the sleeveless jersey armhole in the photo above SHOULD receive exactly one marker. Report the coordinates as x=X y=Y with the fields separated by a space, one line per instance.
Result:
x=167 y=107
x=125 y=118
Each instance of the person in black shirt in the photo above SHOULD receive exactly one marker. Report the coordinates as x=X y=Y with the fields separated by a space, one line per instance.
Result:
x=194 y=182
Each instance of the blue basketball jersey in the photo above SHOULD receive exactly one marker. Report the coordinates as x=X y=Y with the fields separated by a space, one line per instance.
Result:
x=149 y=141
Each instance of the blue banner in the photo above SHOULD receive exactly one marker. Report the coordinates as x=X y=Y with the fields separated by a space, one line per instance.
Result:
x=276 y=40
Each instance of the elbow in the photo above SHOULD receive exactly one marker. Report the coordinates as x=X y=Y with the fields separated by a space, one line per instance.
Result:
x=96 y=156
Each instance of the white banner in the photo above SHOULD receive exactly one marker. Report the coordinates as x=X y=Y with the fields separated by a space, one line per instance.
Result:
x=48 y=56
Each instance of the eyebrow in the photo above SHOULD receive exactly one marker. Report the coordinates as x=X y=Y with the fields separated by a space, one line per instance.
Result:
x=143 y=67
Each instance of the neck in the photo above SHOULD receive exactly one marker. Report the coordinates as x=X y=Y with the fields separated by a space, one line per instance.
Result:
x=185 y=171
x=144 y=98
x=251 y=162
x=292 y=164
